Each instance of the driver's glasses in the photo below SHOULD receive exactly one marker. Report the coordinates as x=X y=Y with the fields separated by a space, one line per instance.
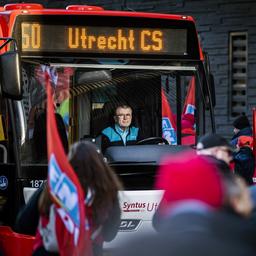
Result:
x=124 y=116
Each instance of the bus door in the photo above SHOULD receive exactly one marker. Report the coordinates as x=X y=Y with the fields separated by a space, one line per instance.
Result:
x=10 y=91
x=7 y=168
x=32 y=117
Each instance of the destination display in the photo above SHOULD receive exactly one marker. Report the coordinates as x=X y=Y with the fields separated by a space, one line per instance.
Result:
x=37 y=37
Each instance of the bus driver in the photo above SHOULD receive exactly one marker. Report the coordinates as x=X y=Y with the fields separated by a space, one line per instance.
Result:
x=122 y=133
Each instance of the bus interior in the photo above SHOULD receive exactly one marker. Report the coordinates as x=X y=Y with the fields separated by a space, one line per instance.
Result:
x=86 y=96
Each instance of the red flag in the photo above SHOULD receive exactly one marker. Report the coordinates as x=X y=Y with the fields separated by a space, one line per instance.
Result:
x=254 y=140
x=68 y=196
x=190 y=102
x=169 y=129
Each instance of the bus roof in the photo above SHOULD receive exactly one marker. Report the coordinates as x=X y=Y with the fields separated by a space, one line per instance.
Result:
x=30 y=9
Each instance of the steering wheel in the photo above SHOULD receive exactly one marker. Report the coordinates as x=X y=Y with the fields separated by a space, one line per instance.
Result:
x=153 y=140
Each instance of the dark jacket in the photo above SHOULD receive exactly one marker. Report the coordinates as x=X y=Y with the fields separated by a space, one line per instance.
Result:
x=28 y=217
x=110 y=137
x=246 y=131
x=197 y=234
x=244 y=164
x=109 y=229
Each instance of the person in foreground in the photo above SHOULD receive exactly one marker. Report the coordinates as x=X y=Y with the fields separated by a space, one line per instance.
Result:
x=122 y=133
x=242 y=127
x=101 y=188
x=244 y=159
x=193 y=223
x=217 y=150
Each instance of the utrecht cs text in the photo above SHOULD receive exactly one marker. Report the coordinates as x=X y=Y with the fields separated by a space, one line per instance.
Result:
x=113 y=39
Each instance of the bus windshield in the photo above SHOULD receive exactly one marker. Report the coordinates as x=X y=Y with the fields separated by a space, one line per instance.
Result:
x=85 y=96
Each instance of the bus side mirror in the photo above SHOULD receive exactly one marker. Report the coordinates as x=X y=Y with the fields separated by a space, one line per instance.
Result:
x=10 y=75
x=212 y=89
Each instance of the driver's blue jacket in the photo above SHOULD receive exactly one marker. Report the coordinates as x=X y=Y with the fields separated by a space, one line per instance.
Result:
x=112 y=137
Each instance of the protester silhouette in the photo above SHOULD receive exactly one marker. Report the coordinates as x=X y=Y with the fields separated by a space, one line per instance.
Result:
x=238 y=198
x=193 y=222
x=217 y=150
x=241 y=128
x=101 y=186
x=243 y=157
x=39 y=141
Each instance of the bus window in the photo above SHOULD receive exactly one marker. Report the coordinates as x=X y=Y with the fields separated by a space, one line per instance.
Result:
x=118 y=88
x=7 y=168
x=163 y=102
x=34 y=149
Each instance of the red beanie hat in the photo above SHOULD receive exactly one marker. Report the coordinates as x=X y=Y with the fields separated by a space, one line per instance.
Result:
x=188 y=176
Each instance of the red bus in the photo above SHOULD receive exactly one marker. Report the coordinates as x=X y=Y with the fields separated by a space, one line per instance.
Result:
x=97 y=59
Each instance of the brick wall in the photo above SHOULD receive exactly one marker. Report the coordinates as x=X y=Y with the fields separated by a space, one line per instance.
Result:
x=215 y=19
